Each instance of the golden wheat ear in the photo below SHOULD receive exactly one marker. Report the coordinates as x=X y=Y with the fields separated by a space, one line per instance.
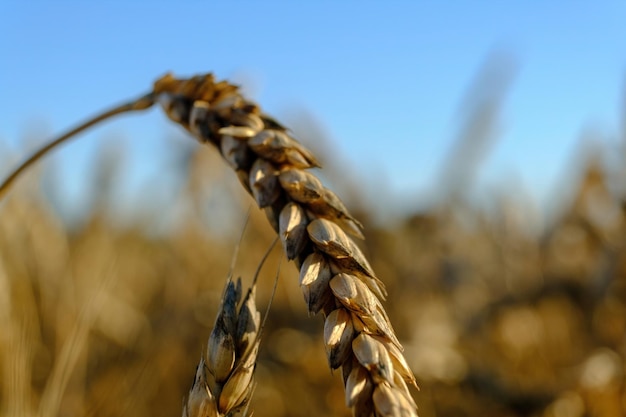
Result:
x=314 y=227
x=142 y=103
x=224 y=381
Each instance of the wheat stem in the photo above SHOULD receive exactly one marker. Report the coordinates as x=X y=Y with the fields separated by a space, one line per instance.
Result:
x=141 y=103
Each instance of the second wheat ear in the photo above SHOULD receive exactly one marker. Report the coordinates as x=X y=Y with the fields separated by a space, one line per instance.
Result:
x=314 y=227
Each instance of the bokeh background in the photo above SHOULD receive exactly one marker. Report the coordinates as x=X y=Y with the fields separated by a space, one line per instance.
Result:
x=482 y=145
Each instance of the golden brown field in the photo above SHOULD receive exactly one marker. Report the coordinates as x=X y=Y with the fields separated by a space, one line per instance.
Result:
x=109 y=318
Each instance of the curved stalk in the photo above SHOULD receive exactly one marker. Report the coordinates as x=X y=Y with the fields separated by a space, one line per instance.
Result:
x=141 y=103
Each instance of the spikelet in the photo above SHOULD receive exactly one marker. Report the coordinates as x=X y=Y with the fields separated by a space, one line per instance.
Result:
x=314 y=227
x=224 y=382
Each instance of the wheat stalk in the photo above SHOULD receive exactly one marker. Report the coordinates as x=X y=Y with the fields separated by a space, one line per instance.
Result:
x=313 y=225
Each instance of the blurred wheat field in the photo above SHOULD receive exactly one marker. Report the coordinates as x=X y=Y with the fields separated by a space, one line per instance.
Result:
x=109 y=319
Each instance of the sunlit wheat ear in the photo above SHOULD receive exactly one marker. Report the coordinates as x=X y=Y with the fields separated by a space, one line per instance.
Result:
x=314 y=227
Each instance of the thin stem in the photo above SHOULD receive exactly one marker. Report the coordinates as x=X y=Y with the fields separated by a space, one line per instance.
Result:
x=141 y=103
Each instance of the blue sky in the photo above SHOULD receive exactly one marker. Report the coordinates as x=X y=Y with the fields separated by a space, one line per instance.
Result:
x=385 y=83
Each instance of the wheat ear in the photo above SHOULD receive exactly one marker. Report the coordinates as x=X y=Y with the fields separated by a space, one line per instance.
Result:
x=224 y=381
x=313 y=225
x=231 y=356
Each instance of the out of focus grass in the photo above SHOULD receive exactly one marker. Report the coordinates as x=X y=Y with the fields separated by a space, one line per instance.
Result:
x=498 y=316
x=107 y=319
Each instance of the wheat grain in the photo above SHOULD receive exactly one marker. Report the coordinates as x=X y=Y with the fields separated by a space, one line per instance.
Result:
x=312 y=223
